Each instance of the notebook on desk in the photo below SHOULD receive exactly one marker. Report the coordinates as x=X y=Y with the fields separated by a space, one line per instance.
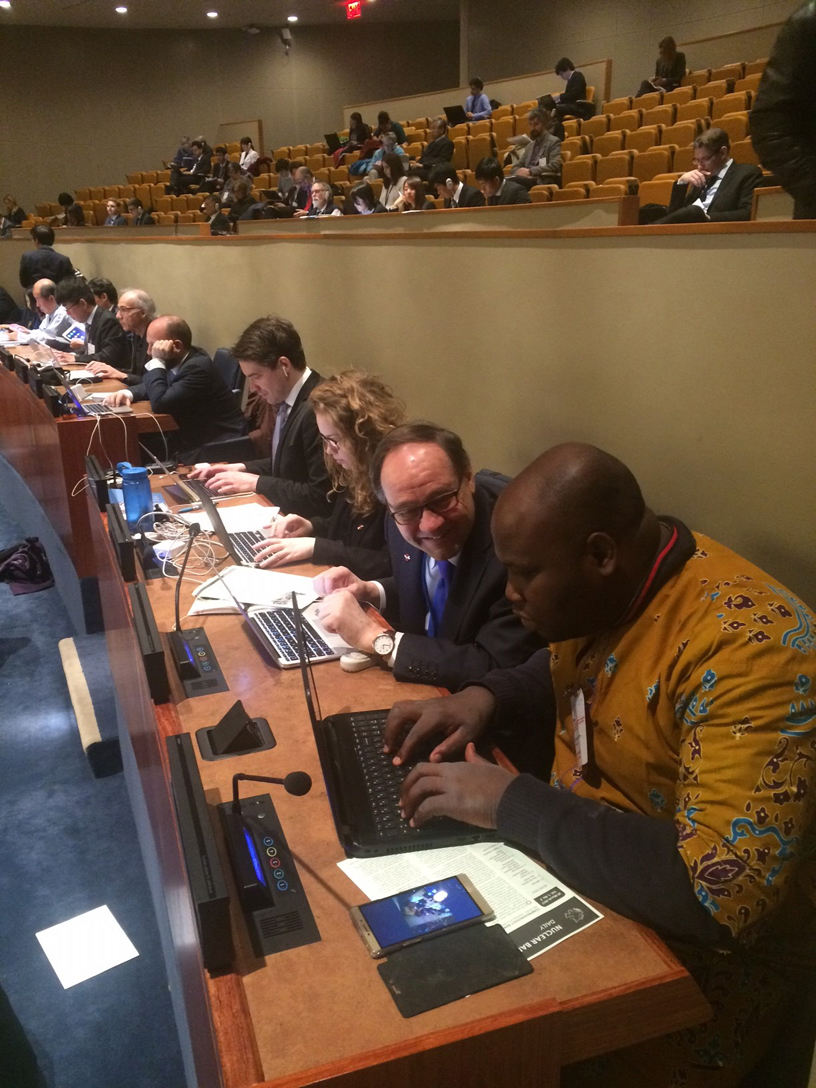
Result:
x=362 y=783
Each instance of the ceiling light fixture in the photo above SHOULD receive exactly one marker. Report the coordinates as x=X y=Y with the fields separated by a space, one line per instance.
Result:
x=5 y=3
x=121 y=11
x=291 y=18
x=212 y=14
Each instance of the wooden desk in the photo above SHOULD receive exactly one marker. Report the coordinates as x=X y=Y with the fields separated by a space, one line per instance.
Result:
x=320 y=1014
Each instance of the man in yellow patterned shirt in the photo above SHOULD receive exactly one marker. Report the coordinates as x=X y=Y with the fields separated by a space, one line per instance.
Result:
x=679 y=693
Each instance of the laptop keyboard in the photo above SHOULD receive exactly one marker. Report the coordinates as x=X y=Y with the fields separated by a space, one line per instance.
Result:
x=382 y=779
x=97 y=409
x=279 y=627
x=242 y=543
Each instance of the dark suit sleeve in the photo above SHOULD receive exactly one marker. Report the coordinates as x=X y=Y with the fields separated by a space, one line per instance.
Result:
x=25 y=275
x=678 y=197
x=743 y=198
x=475 y=199
x=110 y=346
x=575 y=90
x=193 y=382
x=305 y=490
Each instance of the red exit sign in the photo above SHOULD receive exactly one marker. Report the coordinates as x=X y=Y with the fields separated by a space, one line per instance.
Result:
x=354 y=9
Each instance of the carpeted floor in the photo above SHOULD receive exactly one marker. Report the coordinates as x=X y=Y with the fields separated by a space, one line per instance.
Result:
x=68 y=844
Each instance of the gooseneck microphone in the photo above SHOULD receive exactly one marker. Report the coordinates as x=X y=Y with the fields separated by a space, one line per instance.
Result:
x=183 y=658
x=297 y=783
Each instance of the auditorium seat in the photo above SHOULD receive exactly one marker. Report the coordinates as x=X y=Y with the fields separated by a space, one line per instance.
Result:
x=143 y=193
x=521 y=109
x=655 y=192
x=698 y=78
x=749 y=83
x=736 y=125
x=134 y=179
x=100 y=212
x=315 y=149
x=683 y=133
x=185 y=217
x=193 y=202
x=84 y=194
x=314 y=162
x=156 y=191
x=732 y=103
x=460 y=160
x=481 y=128
x=572 y=127
x=728 y=71
x=660 y=115
x=648 y=101
x=233 y=156
x=150 y=177
x=111 y=192
x=683 y=159
x=617 y=105
x=743 y=151
x=126 y=192
x=619 y=188
x=413 y=151
x=502 y=113
x=178 y=203
x=264 y=181
x=643 y=138
x=88 y=216
x=322 y=175
x=458 y=132
x=42 y=209
x=421 y=122
x=716 y=89
x=479 y=147
x=581 y=168
x=281 y=153
x=163 y=204
x=337 y=174
x=700 y=107
x=163 y=177
x=503 y=129
x=574 y=193
x=542 y=194
x=165 y=219
x=679 y=96
x=583 y=145
x=627 y=121
x=616 y=165
x=298 y=152
x=606 y=144
x=648 y=164
x=351 y=157
x=756 y=67
x=234 y=148
x=595 y=126
x=96 y=193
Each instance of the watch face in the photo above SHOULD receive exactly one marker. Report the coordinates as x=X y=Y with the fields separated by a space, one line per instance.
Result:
x=384 y=644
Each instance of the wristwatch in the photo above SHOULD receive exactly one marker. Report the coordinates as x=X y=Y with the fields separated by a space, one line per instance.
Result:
x=384 y=644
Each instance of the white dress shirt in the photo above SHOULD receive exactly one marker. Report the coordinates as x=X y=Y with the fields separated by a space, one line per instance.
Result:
x=704 y=200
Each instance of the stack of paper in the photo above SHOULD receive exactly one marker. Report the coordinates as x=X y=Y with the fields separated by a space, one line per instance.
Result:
x=251 y=586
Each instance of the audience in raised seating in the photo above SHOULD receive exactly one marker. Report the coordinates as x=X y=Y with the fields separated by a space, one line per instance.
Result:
x=677 y=694
x=454 y=192
x=363 y=199
x=249 y=156
x=182 y=178
x=242 y=201
x=55 y=321
x=716 y=190
x=65 y=200
x=414 y=198
x=104 y=293
x=496 y=188
x=540 y=162
x=183 y=158
x=183 y=381
x=353 y=411
x=322 y=201
x=299 y=198
x=13 y=216
x=75 y=216
x=234 y=175
x=104 y=338
x=438 y=150
x=219 y=223
x=294 y=476
x=359 y=134
x=393 y=180
x=43 y=262
x=370 y=165
x=782 y=127
x=669 y=69
x=451 y=621
x=477 y=104
x=284 y=175
x=385 y=125
x=218 y=177
x=141 y=218
x=114 y=217
x=135 y=312
x=567 y=104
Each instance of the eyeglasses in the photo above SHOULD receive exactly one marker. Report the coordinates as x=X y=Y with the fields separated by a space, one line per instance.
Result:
x=330 y=441
x=442 y=504
x=126 y=309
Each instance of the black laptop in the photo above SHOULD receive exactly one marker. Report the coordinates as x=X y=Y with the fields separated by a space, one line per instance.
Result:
x=238 y=545
x=456 y=115
x=363 y=785
x=333 y=142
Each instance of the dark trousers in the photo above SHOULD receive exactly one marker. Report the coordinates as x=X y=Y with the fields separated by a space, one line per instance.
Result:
x=651 y=214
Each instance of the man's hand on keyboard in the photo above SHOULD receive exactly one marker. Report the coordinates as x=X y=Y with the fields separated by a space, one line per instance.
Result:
x=206 y=471
x=341 y=578
x=274 y=553
x=342 y=614
x=411 y=725
x=102 y=370
x=229 y=482
x=469 y=791
x=117 y=400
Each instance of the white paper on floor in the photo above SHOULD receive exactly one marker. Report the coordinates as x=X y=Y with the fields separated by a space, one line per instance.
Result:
x=86 y=946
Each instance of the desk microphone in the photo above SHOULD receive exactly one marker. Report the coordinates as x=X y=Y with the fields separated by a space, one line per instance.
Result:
x=298 y=783
x=183 y=659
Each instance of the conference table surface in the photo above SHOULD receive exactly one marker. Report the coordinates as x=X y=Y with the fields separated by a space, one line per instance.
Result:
x=321 y=1012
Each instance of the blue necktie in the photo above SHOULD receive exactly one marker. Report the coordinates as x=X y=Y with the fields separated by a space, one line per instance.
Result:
x=440 y=597
x=280 y=423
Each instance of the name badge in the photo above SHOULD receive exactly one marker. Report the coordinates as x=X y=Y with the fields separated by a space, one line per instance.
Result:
x=579 y=728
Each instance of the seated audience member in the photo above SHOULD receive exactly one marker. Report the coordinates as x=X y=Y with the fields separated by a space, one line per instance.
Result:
x=359 y=133
x=438 y=151
x=219 y=223
x=353 y=411
x=205 y=147
x=294 y=476
x=669 y=69
x=574 y=92
x=135 y=312
x=234 y=175
x=363 y=199
x=451 y=620
x=183 y=381
x=385 y=124
x=370 y=165
x=782 y=129
x=65 y=200
x=496 y=188
x=104 y=338
x=114 y=217
x=414 y=197
x=217 y=180
x=454 y=193
x=393 y=180
x=322 y=201
x=182 y=178
x=43 y=262
x=75 y=216
x=243 y=200
x=183 y=158
x=249 y=156
x=540 y=162
x=716 y=190
x=300 y=195
x=285 y=179
x=677 y=690
x=13 y=216
x=141 y=218
x=55 y=321
x=477 y=104
x=104 y=293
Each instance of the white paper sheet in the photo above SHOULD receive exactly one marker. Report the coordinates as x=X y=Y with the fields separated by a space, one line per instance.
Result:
x=252 y=586
x=86 y=946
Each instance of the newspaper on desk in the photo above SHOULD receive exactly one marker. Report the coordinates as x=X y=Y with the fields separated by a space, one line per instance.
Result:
x=535 y=908
x=251 y=586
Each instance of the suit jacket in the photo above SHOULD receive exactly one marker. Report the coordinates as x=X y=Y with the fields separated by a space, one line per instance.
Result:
x=437 y=151
x=108 y=339
x=143 y=219
x=137 y=345
x=43 y=263
x=115 y=221
x=542 y=158
x=575 y=90
x=199 y=400
x=218 y=173
x=357 y=541
x=298 y=481
x=478 y=629
x=732 y=201
x=468 y=198
x=220 y=224
x=511 y=193
x=201 y=167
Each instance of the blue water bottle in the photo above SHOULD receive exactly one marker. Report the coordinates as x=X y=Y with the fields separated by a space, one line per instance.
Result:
x=137 y=494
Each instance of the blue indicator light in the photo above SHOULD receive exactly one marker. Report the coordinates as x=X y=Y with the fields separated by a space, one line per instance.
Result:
x=256 y=864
